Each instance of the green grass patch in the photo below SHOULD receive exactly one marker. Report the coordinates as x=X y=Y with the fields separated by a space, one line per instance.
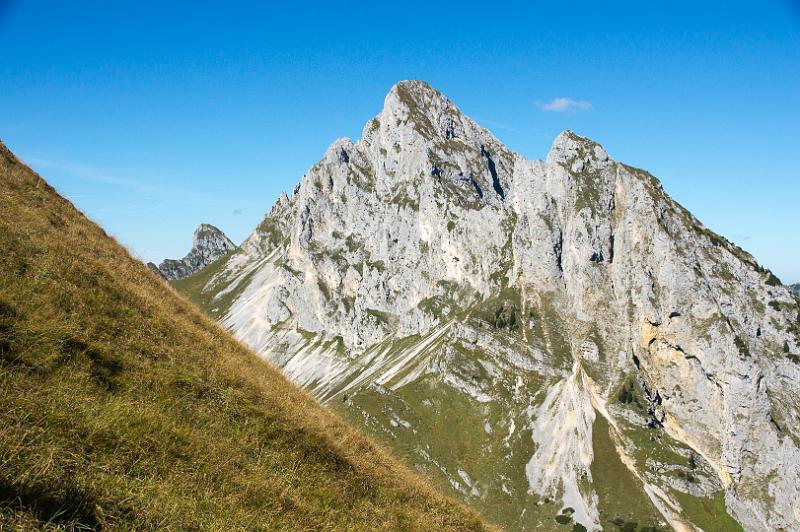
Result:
x=621 y=498
x=708 y=513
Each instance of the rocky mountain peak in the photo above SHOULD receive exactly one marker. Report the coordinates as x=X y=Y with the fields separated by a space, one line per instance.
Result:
x=415 y=108
x=568 y=308
x=208 y=245
x=207 y=238
x=568 y=146
x=415 y=95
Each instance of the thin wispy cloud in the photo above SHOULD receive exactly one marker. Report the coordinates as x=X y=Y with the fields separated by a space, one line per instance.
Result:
x=528 y=131
x=565 y=105
x=498 y=125
x=109 y=176
x=131 y=209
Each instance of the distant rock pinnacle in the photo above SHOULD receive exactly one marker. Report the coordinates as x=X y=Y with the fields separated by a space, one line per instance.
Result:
x=208 y=244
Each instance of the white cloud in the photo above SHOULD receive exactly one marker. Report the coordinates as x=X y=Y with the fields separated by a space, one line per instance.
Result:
x=565 y=105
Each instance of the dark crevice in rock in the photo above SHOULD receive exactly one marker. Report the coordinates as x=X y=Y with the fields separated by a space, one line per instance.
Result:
x=557 y=249
x=636 y=362
x=713 y=380
x=306 y=223
x=477 y=187
x=450 y=129
x=652 y=410
x=656 y=419
x=775 y=424
x=611 y=249
x=493 y=170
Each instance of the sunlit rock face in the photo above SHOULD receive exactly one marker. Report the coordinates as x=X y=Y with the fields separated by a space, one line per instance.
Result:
x=557 y=342
x=208 y=245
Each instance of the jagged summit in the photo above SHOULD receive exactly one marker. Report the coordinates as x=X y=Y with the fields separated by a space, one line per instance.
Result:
x=429 y=112
x=569 y=145
x=418 y=97
x=206 y=234
x=578 y=322
x=417 y=94
x=440 y=117
x=421 y=135
x=208 y=245
x=416 y=87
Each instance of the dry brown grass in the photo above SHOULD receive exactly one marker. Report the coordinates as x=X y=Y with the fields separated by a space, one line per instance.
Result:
x=123 y=407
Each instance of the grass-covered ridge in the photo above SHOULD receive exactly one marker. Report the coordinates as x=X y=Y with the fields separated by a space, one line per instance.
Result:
x=123 y=407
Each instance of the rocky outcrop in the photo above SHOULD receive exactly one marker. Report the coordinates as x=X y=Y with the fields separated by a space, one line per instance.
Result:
x=526 y=332
x=208 y=245
x=153 y=268
x=795 y=288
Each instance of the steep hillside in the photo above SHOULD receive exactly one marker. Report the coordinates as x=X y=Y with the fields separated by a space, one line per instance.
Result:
x=208 y=245
x=557 y=342
x=122 y=407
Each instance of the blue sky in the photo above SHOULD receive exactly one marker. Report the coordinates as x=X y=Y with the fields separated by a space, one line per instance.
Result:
x=153 y=118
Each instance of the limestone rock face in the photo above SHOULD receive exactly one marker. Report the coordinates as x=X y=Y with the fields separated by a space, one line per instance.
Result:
x=795 y=288
x=554 y=341
x=208 y=245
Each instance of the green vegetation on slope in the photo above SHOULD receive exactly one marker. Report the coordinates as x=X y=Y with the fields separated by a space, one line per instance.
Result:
x=709 y=513
x=122 y=407
x=469 y=449
x=621 y=500
x=192 y=287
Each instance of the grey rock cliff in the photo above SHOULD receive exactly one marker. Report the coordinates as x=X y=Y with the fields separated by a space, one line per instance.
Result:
x=155 y=269
x=208 y=245
x=516 y=327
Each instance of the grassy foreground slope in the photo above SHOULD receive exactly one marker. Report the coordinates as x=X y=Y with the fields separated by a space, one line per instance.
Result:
x=122 y=406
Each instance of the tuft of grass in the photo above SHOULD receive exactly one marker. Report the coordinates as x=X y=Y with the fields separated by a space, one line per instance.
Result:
x=123 y=407
x=744 y=351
